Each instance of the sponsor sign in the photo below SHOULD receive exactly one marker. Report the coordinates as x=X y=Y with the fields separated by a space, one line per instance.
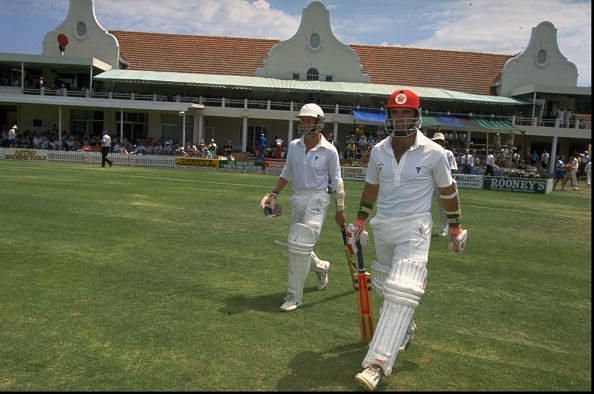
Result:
x=193 y=162
x=469 y=181
x=353 y=172
x=240 y=165
x=526 y=185
x=274 y=164
x=26 y=155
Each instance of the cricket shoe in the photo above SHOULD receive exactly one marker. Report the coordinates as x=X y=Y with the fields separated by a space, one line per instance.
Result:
x=443 y=232
x=290 y=303
x=323 y=276
x=369 y=378
x=412 y=328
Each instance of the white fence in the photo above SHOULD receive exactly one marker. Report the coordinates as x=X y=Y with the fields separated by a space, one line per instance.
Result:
x=88 y=157
x=503 y=183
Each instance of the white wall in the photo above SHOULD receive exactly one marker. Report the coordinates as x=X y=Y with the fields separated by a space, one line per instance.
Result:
x=296 y=55
x=96 y=42
x=528 y=68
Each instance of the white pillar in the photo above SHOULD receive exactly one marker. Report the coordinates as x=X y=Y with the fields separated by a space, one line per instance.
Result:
x=183 y=128
x=60 y=126
x=200 y=128
x=122 y=126
x=335 y=131
x=553 y=158
x=290 y=132
x=195 y=129
x=244 y=134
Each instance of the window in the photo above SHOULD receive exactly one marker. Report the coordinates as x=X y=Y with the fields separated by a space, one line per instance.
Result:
x=83 y=122
x=328 y=78
x=253 y=134
x=81 y=30
x=172 y=127
x=312 y=74
x=296 y=76
x=135 y=126
x=314 y=41
x=541 y=58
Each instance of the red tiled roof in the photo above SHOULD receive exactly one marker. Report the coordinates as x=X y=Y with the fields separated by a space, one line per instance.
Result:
x=469 y=72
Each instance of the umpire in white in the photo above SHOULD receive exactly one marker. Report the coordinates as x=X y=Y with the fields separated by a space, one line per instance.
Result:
x=105 y=148
x=313 y=167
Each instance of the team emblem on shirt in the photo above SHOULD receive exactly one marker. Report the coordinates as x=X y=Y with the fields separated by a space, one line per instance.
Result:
x=400 y=98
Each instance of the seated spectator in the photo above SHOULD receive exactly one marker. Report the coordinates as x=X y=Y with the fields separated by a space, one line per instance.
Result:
x=228 y=150
x=476 y=170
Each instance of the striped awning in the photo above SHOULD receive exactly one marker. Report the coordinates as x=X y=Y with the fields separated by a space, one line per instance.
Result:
x=463 y=124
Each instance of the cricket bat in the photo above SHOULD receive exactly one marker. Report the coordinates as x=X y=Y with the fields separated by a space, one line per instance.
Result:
x=361 y=280
x=349 y=258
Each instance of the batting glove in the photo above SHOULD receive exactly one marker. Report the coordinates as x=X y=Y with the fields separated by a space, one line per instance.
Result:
x=458 y=238
x=356 y=232
x=270 y=206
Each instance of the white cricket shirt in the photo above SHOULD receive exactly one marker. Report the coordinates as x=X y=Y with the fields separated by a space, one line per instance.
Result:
x=451 y=159
x=406 y=188
x=311 y=171
x=106 y=141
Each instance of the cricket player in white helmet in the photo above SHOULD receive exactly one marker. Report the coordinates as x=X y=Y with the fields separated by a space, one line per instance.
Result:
x=402 y=173
x=313 y=168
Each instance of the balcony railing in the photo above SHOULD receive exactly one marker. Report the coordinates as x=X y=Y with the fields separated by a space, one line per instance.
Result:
x=578 y=123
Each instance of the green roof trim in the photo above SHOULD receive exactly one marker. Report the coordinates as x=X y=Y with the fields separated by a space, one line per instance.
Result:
x=250 y=83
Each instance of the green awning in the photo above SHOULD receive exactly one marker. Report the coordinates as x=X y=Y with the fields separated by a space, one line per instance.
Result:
x=495 y=125
x=429 y=121
x=475 y=124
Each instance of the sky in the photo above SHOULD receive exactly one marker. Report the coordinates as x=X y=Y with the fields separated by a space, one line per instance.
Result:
x=489 y=26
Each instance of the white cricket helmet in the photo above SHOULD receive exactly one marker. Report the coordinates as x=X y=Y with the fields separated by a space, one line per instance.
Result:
x=311 y=110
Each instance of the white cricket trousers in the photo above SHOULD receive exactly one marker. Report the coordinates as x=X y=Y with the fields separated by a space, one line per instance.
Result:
x=402 y=251
x=309 y=209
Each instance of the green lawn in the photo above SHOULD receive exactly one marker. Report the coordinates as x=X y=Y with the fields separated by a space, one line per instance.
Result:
x=135 y=279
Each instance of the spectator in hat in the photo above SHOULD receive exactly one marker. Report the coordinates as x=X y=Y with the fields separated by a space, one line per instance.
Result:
x=440 y=139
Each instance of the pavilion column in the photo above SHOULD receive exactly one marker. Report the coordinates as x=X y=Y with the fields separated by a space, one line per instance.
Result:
x=244 y=134
x=553 y=157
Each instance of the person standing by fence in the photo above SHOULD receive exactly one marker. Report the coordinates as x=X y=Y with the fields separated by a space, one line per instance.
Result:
x=12 y=137
x=105 y=148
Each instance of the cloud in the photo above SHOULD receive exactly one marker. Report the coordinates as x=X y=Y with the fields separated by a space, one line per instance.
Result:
x=505 y=27
x=239 y=18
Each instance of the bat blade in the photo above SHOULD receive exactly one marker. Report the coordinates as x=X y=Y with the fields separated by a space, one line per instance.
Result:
x=361 y=280
x=364 y=296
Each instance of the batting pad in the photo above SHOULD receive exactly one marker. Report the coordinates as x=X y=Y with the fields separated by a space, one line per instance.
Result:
x=299 y=247
x=379 y=274
x=402 y=292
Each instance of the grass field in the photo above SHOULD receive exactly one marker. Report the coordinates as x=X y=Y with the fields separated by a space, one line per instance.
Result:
x=135 y=279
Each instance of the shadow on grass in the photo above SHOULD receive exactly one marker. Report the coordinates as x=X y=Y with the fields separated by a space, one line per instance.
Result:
x=270 y=303
x=330 y=370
